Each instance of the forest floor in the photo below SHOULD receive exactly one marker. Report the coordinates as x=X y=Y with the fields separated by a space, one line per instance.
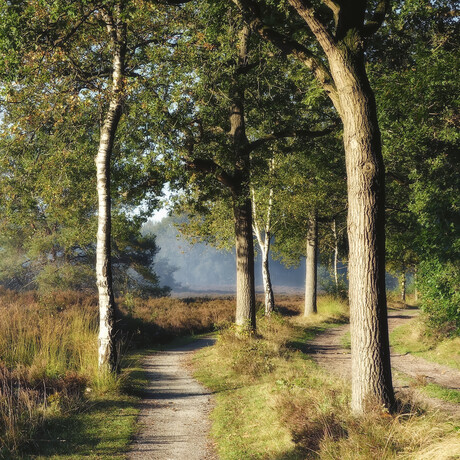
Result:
x=329 y=351
x=174 y=417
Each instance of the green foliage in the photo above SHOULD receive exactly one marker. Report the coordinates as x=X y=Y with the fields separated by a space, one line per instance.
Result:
x=415 y=73
x=439 y=284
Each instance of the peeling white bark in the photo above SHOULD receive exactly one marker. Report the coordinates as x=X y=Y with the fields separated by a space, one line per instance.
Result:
x=107 y=334
x=264 y=246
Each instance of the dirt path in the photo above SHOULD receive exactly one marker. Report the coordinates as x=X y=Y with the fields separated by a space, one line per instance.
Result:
x=174 y=417
x=328 y=352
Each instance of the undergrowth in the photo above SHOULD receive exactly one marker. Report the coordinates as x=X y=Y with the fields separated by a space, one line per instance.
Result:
x=49 y=379
x=274 y=402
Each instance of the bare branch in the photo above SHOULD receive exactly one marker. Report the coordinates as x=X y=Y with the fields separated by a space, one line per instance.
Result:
x=319 y=29
x=210 y=167
x=333 y=5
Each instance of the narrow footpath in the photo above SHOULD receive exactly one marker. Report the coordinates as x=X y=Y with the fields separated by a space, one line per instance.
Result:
x=328 y=351
x=174 y=418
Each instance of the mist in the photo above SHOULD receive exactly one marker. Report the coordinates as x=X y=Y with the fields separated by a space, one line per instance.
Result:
x=186 y=267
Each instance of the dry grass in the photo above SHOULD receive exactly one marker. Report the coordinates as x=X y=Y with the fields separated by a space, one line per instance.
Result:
x=155 y=320
x=48 y=351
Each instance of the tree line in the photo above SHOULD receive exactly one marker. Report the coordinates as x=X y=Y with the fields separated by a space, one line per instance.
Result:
x=265 y=118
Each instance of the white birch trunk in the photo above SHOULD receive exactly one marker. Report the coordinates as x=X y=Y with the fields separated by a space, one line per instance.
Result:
x=336 y=256
x=403 y=286
x=107 y=334
x=264 y=245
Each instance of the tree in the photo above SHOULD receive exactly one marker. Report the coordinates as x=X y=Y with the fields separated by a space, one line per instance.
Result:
x=264 y=240
x=311 y=191
x=231 y=117
x=311 y=263
x=342 y=29
x=414 y=66
x=85 y=53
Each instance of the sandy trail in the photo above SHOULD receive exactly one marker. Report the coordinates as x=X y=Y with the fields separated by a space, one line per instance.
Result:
x=174 y=417
x=328 y=352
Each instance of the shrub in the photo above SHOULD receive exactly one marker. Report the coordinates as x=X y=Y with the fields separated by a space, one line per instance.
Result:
x=439 y=286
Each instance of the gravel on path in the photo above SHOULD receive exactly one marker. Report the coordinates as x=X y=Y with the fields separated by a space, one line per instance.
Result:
x=174 y=418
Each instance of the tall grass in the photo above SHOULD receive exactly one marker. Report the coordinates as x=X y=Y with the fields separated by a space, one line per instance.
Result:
x=48 y=351
x=274 y=402
x=48 y=355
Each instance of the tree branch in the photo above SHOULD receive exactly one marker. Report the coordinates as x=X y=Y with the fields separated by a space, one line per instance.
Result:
x=371 y=26
x=252 y=16
x=210 y=167
x=289 y=133
x=60 y=41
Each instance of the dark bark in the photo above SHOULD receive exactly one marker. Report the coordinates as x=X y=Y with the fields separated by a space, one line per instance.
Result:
x=244 y=246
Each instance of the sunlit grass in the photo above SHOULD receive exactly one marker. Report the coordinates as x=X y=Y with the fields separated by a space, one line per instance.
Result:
x=49 y=377
x=273 y=402
x=412 y=338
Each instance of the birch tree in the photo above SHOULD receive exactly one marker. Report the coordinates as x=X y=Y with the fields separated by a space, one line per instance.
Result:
x=264 y=241
x=84 y=53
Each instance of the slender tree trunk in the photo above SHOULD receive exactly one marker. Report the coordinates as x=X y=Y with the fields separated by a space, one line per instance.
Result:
x=403 y=286
x=245 y=289
x=415 y=285
x=311 y=267
x=336 y=256
x=107 y=333
x=264 y=245
x=268 y=288
x=371 y=370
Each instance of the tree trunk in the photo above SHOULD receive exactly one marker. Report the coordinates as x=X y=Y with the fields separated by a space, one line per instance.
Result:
x=336 y=257
x=403 y=286
x=311 y=267
x=244 y=245
x=264 y=245
x=415 y=285
x=108 y=359
x=371 y=370
x=268 y=289
x=346 y=84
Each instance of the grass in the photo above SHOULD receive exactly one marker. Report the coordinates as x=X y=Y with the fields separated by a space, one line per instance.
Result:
x=414 y=338
x=446 y=394
x=273 y=402
x=346 y=341
x=53 y=402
